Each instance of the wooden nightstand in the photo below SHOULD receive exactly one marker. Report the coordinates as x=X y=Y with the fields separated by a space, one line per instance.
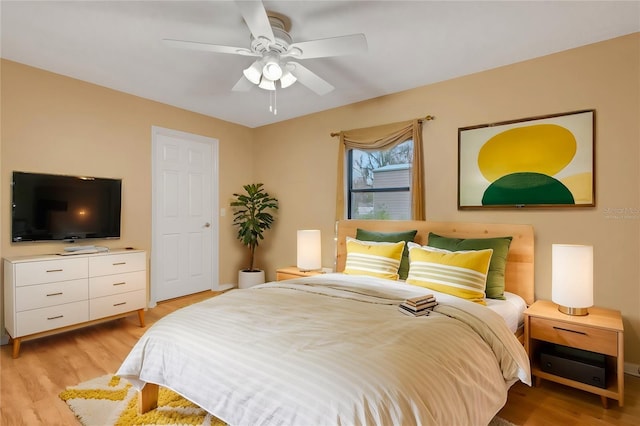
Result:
x=601 y=332
x=291 y=272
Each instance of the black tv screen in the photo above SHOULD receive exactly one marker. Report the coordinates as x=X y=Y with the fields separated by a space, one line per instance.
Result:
x=64 y=208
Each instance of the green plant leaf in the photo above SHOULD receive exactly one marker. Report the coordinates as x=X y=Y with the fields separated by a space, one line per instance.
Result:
x=252 y=216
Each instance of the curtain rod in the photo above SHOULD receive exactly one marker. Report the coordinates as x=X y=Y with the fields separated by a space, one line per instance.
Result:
x=427 y=118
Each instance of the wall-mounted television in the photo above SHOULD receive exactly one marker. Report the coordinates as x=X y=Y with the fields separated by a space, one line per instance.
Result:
x=49 y=207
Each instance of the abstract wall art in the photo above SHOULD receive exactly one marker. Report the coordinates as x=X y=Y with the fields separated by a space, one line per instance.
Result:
x=545 y=161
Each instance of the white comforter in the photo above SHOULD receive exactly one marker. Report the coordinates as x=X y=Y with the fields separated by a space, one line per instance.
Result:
x=332 y=350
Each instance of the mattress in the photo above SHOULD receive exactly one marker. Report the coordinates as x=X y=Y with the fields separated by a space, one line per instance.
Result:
x=512 y=309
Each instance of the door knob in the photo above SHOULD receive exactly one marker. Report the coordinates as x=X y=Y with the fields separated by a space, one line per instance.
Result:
x=207 y=225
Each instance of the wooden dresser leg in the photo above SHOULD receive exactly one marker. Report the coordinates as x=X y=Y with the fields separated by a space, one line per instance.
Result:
x=148 y=398
x=16 y=348
x=141 y=317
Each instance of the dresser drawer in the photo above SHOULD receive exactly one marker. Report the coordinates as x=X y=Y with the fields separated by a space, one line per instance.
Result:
x=119 y=283
x=117 y=263
x=43 y=295
x=29 y=273
x=117 y=304
x=37 y=320
x=575 y=336
x=49 y=294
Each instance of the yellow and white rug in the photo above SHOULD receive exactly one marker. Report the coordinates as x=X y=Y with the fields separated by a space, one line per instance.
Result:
x=110 y=400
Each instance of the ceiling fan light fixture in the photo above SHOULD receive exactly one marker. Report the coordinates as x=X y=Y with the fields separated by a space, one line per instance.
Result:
x=267 y=84
x=254 y=72
x=294 y=51
x=272 y=70
x=287 y=79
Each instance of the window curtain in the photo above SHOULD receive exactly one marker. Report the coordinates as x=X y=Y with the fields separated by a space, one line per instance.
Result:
x=378 y=138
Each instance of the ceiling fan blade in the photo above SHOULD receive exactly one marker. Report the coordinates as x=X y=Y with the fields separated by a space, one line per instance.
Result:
x=243 y=85
x=334 y=46
x=309 y=79
x=255 y=16
x=216 y=48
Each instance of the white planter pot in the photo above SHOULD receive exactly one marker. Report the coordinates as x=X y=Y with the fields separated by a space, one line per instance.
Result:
x=248 y=279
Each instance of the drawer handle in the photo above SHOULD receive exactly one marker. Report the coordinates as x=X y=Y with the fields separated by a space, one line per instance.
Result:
x=120 y=304
x=572 y=331
x=54 y=270
x=119 y=263
x=54 y=294
x=58 y=317
x=120 y=283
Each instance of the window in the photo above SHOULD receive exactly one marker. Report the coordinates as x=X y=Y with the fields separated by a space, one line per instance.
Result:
x=361 y=172
x=379 y=182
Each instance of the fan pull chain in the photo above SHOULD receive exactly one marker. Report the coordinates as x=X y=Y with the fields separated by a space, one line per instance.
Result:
x=273 y=102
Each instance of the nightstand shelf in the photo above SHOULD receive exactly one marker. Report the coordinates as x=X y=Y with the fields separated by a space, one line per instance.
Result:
x=291 y=272
x=600 y=332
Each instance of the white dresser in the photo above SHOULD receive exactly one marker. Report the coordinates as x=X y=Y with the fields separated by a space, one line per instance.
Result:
x=49 y=294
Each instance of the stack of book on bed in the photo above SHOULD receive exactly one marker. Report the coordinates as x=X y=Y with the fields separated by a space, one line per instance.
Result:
x=418 y=306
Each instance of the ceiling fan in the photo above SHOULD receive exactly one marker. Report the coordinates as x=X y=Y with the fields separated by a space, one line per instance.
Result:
x=275 y=50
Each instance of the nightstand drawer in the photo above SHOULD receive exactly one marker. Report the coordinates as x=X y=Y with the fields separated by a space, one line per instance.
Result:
x=281 y=276
x=574 y=335
x=292 y=272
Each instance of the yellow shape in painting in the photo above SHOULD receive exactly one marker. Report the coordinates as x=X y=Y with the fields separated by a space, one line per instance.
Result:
x=581 y=186
x=540 y=148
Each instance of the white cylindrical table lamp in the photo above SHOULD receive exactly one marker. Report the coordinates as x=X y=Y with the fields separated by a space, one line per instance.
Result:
x=309 y=250
x=572 y=278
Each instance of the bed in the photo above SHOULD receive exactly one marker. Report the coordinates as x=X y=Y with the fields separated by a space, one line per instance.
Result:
x=334 y=349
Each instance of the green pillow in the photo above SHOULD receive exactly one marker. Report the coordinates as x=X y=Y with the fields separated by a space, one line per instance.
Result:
x=391 y=237
x=497 y=266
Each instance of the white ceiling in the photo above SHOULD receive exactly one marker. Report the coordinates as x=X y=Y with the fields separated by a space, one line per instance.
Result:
x=117 y=44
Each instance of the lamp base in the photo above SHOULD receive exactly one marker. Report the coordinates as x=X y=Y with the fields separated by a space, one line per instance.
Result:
x=573 y=311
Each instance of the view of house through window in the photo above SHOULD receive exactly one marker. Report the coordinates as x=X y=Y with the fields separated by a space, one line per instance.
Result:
x=379 y=184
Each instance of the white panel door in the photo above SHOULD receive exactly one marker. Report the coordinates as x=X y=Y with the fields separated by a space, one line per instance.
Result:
x=184 y=258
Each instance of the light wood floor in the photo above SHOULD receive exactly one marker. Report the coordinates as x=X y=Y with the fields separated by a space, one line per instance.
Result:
x=30 y=384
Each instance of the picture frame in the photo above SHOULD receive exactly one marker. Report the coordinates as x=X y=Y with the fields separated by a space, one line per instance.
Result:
x=544 y=161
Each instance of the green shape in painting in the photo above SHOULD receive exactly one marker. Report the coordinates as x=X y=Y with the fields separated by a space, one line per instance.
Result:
x=526 y=188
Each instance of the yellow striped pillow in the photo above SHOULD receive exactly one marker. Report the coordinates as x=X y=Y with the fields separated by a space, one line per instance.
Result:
x=459 y=273
x=373 y=258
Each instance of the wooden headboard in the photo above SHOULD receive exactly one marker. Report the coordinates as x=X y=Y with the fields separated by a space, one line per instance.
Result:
x=520 y=267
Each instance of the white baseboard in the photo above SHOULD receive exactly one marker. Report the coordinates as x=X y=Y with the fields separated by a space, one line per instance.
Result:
x=225 y=287
x=631 y=368
x=4 y=339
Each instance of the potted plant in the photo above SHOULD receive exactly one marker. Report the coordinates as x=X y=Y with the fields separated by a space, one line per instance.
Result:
x=252 y=215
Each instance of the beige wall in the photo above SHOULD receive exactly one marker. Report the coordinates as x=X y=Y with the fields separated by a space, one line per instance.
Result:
x=55 y=124
x=602 y=76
